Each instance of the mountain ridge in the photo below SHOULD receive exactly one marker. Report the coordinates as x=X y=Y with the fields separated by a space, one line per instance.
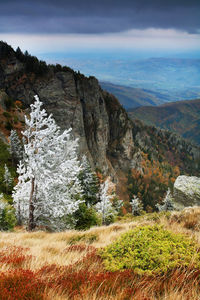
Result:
x=182 y=117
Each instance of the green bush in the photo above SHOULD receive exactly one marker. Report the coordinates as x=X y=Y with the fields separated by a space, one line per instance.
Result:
x=150 y=249
x=8 y=198
x=7 y=217
x=109 y=219
x=86 y=217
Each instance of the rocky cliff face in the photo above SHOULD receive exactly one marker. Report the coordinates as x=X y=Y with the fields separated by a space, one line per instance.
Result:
x=97 y=119
x=111 y=141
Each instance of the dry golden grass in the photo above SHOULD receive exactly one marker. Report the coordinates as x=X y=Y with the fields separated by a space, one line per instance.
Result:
x=49 y=248
x=52 y=248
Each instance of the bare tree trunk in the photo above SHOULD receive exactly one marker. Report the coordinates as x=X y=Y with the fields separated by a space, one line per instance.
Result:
x=31 y=224
x=19 y=220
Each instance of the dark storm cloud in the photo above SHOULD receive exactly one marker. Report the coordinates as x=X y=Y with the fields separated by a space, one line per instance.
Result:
x=90 y=16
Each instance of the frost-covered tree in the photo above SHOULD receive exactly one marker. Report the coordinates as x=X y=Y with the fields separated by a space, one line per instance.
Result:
x=136 y=205
x=7 y=178
x=117 y=204
x=104 y=206
x=48 y=188
x=2 y=204
x=16 y=147
x=89 y=183
x=167 y=204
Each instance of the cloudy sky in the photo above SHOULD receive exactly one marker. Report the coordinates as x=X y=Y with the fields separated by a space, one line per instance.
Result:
x=53 y=26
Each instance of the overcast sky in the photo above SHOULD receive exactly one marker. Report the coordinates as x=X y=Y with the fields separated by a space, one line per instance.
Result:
x=85 y=25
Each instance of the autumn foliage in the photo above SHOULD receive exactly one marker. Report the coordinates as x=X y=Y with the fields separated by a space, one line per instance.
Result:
x=151 y=182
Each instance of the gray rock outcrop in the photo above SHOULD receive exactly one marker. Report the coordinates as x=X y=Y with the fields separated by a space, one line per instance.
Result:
x=186 y=191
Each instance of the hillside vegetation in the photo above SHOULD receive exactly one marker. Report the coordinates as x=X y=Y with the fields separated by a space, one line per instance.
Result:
x=144 y=160
x=182 y=117
x=69 y=265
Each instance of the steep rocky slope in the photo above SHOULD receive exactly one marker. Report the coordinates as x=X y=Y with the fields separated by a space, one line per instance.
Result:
x=112 y=142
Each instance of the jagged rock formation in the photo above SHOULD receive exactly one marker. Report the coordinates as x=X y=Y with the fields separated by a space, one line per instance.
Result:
x=186 y=191
x=112 y=142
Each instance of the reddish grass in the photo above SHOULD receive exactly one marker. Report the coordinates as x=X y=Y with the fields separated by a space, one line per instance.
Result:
x=20 y=284
x=14 y=256
x=77 y=281
x=88 y=277
x=80 y=284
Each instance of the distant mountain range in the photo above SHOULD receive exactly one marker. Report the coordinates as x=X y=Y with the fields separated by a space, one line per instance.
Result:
x=182 y=117
x=133 y=97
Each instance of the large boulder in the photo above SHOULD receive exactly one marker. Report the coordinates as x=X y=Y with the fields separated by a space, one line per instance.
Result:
x=187 y=191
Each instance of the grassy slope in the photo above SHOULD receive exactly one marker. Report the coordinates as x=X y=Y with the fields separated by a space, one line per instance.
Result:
x=70 y=260
x=182 y=117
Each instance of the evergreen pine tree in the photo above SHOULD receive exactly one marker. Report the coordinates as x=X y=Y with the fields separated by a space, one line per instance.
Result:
x=16 y=147
x=136 y=205
x=168 y=204
x=89 y=183
x=7 y=178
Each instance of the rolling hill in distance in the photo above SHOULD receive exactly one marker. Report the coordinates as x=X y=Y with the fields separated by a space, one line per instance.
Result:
x=133 y=97
x=182 y=117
